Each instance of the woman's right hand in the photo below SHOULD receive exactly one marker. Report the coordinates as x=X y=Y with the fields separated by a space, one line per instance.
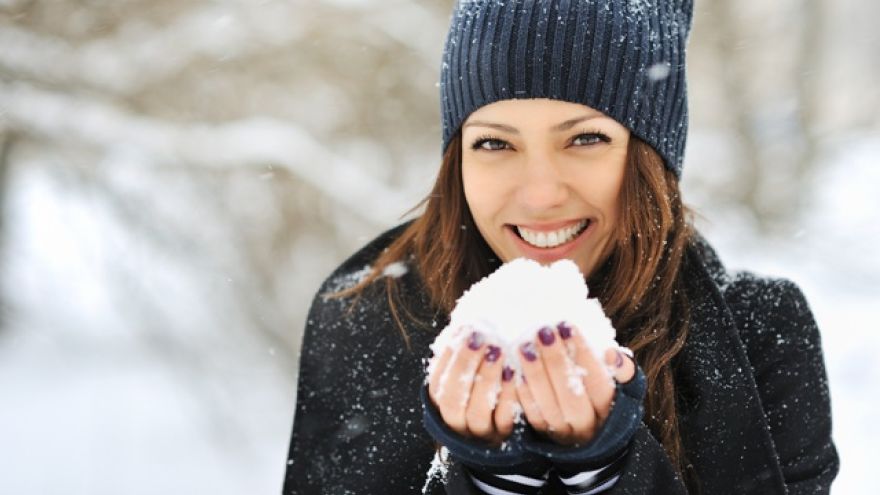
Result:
x=473 y=391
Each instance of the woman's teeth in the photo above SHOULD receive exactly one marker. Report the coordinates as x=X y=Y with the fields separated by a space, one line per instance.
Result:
x=551 y=239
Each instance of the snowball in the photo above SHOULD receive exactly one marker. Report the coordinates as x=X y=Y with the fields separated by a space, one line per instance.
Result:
x=510 y=305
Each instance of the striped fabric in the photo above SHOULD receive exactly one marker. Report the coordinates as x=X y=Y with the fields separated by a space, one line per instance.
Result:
x=507 y=484
x=587 y=482
x=593 y=481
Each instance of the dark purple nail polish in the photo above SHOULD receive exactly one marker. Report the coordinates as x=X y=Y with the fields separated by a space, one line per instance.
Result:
x=619 y=362
x=546 y=336
x=564 y=330
x=493 y=353
x=507 y=374
x=475 y=340
x=528 y=351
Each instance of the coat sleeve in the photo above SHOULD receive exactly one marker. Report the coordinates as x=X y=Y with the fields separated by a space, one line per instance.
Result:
x=356 y=425
x=784 y=347
x=313 y=418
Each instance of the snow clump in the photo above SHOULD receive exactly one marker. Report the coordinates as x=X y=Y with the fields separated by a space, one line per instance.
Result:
x=510 y=305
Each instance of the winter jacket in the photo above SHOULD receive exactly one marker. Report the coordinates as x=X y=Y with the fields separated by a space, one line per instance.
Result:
x=753 y=394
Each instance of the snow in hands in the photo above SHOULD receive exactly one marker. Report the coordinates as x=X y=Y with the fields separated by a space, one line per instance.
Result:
x=510 y=305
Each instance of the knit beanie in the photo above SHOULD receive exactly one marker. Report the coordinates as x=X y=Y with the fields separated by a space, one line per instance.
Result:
x=625 y=58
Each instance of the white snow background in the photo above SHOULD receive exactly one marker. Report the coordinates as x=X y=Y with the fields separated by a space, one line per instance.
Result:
x=140 y=352
x=91 y=408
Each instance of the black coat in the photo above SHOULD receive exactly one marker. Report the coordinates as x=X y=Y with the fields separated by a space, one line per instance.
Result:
x=754 y=406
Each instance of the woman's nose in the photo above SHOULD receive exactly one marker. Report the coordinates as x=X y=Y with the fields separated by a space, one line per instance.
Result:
x=542 y=186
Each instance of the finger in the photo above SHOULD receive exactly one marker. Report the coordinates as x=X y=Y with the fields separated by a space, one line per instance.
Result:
x=508 y=405
x=623 y=366
x=454 y=385
x=530 y=407
x=438 y=363
x=436 y=369
x=484 y=395
x=567 y=384
x=542 y=390
x=600 y=386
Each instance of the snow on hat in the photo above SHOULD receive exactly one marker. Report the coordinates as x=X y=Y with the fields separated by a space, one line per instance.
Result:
x=625 y=58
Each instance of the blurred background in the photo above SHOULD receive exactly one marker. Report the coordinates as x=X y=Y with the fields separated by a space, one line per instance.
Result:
x=178 y=176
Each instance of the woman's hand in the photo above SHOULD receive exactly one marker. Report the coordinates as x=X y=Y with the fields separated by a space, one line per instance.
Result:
x=473 y=391
x=566 y=394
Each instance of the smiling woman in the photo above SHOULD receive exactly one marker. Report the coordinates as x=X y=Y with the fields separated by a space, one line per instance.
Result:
x=567 y=145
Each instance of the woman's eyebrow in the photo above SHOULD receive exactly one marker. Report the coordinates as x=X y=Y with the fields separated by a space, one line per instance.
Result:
x=568 y=124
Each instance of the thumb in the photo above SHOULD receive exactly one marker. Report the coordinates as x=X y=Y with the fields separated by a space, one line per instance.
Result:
x=621 y=366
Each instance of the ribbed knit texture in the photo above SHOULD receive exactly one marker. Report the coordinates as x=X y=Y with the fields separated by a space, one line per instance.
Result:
x=625 y=58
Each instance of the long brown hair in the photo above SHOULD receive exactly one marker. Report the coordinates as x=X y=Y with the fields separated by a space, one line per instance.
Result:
x=640 y=283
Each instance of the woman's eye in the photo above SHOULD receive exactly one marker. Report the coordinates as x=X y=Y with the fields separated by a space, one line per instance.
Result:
x=590 y=138
x=493 y=144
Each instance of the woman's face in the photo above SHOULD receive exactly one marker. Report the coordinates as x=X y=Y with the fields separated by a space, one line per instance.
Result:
x=542 y=179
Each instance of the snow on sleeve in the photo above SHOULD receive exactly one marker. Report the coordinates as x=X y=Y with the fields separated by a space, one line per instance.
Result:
x=511 y=304
x=438 y=470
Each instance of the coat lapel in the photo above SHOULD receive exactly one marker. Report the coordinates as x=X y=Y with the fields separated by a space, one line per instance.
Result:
x=724 y=429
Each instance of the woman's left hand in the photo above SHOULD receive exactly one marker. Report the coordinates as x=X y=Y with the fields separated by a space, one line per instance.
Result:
x=566 y=392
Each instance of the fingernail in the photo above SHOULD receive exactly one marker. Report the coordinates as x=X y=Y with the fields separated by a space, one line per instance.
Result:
x=619 y=361
x=507 y=374
x=475 y=340
x=528 y=351
x=564 y=330
x=493 y=353
x=546 y=336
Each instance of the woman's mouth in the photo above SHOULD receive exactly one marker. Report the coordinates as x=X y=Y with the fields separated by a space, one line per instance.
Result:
x=545 y=239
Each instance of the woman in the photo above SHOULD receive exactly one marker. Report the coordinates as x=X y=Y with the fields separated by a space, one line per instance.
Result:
x=564 y=126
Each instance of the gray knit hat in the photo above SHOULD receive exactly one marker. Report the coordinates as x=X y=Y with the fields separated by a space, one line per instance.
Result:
x=625 y=58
